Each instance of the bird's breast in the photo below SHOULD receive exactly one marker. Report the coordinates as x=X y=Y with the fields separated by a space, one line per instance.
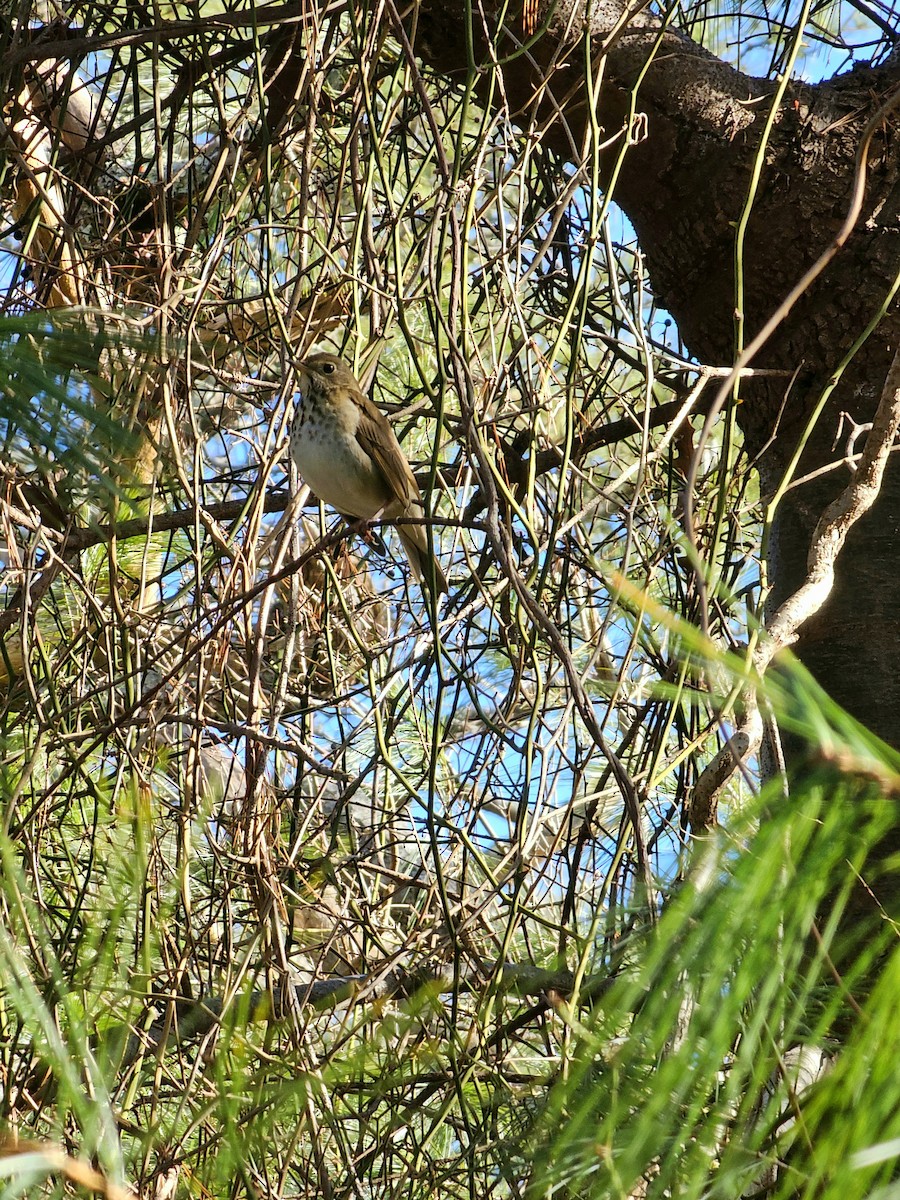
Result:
x=332 y=462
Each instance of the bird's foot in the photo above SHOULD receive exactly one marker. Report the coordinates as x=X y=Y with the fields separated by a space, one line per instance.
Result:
x=369 y=533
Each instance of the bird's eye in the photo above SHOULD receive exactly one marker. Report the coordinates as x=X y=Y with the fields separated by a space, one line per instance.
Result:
x=327 y=368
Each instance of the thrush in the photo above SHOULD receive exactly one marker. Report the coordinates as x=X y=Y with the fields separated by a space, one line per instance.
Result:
x=348 y=454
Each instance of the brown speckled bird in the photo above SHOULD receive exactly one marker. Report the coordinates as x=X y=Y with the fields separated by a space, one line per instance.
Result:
x=348 y=454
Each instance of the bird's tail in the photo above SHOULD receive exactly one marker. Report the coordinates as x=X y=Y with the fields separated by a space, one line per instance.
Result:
x=425 y=566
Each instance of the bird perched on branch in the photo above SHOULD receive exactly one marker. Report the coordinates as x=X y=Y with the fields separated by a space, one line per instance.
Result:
x=348 y=454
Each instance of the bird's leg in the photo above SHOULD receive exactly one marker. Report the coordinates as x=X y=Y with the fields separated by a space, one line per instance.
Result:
x=368 y=532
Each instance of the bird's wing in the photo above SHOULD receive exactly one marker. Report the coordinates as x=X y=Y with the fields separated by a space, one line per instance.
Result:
x=378 y=439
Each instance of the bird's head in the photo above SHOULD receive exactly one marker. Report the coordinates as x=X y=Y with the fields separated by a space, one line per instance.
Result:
x=328 y=370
